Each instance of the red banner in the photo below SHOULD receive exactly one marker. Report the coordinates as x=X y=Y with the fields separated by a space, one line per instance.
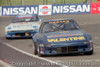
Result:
x=95 y=8
x=98 y=0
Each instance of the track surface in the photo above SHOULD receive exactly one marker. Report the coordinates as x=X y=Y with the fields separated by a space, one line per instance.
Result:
x=87 y=22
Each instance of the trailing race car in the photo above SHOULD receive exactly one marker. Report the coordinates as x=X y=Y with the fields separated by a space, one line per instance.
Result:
x=61 y=37
x=23 y=26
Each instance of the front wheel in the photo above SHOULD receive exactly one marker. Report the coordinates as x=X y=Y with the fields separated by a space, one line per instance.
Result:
x=38 y=50
x=89 y=53
x=40 y=55
x=35 y=49
x=8 y=38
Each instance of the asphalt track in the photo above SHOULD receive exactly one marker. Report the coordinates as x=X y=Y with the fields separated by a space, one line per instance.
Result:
x=89 y=23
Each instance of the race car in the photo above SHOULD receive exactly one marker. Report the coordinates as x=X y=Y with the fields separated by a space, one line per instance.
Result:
x=62 y=36
x=23 y=26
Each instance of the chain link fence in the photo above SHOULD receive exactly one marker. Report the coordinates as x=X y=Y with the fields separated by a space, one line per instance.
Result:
x=40 y=2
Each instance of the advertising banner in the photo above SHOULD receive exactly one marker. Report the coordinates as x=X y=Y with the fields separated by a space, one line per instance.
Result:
x=95 y=8
x=19 y=10
x=54 y=9
x=0 y=11
x=71 y=8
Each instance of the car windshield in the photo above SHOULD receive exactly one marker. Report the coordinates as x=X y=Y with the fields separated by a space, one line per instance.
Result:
x=52 y=27
x=25 y=19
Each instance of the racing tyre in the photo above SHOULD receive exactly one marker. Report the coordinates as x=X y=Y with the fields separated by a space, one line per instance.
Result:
x=35 y=49
x=8 y=38
x=38 y=50
x=89 y=53
x=40 y=55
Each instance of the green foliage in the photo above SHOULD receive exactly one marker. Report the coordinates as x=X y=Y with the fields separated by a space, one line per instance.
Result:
x=39 y=2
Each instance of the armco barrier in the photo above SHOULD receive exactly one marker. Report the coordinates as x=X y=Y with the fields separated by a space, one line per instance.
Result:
x=47 y=9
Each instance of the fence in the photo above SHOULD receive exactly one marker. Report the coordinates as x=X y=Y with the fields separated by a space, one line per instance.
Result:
x=40 y=2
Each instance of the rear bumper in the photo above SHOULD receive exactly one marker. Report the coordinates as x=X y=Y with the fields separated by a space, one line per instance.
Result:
x=66 y=50
x=20 y=34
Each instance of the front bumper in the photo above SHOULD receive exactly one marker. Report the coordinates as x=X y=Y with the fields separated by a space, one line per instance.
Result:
x=20 y=34
x=65 y=49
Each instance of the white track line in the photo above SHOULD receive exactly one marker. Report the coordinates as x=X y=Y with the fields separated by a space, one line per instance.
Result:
x=4 y=64
x=32 y=55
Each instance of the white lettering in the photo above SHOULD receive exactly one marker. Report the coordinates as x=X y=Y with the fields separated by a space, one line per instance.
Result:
x=27 y=10
x=15 y=11
x=34 y=10
x=6 y=11
x=56 y=9
x=71 y=8
x=66 y=9
x=86 y=8
x=20 y=11
x=79 y=8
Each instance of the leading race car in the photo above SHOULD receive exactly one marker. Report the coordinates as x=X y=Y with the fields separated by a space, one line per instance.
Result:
x=23 y=26
x=61 y=37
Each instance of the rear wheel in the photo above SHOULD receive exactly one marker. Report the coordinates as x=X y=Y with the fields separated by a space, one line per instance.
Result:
x=89 y=53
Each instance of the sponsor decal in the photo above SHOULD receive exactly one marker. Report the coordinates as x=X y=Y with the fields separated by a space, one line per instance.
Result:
x=66 y=39
x=80 y=34
x=64 y=21
x=45 y=9
x=34 y=26
x=71 y=8
x=95 y=8
x=0 y=11
x=9 y=28
x=20 y=10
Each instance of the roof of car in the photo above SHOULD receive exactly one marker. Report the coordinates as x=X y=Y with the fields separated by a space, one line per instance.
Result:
x=25 y=15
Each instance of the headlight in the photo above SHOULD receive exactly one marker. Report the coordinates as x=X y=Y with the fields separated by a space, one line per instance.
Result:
x=41 y=45
x=86 y=42
x=90 y=41
x=91 y=44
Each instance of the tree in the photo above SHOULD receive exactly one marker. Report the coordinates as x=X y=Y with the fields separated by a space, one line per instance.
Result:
x=9 y=3
x=22 y=1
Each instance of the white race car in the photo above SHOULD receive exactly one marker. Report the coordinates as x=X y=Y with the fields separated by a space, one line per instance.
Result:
x=23 y=26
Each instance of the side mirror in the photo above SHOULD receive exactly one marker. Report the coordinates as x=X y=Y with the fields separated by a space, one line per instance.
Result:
x=41 y=19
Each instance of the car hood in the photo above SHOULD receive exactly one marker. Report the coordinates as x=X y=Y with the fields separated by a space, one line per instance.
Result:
x=23 y=26
x=65 y=36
